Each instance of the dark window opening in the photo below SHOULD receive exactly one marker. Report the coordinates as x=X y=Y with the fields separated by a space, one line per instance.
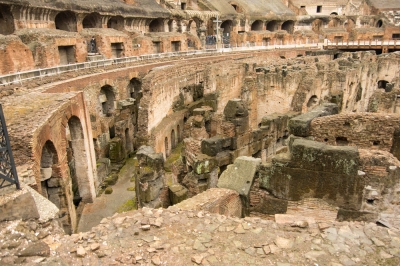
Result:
x=342 y=141
x=67 y=54
x=156 y=47
x=319 y=9
x=334 y=13
x=117 y=50
x=379 y=24
x=396 y=36
x=326 y=140
x=370 y=201
x=346 y=124
x=382 y=84
x=183 y=6
x=376 y=142
x=111 y=131
x=302 y=6
x=175 y=46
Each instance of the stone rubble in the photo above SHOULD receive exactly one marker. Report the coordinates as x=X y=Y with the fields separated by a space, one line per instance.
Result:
x=183 y=237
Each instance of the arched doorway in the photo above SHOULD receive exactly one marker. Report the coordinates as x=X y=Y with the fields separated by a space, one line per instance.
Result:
x=116 y=23
x=379 y=24
x=172 y=25
x=288 y=26
x=257 y=25
x=106 y=99
x=156 y=25
x=192 y=27
x=77 y=162
x=66 y=20
x=272 y=25
x=135 y=91
x=6 y=20
x=166 y=147
x=227 y=25
x=173 y=144
x=382 y=84
x=312 y=102
x=93 y=20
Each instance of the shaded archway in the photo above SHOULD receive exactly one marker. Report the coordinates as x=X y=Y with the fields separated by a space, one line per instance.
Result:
x=106 y=99
x=272 y=25
x=237 y=8
x=227 y=26
x=173 y=144
x=77 y=162
x=116 y=23
x=192 y=27
x=288 y=26
x=257 y=25
x=156 y=25
x=93 y=20
x=173 y=25
x=312 y=102
x=166 y=147
x=66 y=20
x=6 y=20
x=210 y=27
x=379 y=24
x=135 y=91
x=382 y=84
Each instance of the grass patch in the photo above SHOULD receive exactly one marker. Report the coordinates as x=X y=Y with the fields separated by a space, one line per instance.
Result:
x=131 y=189
x=127 y=206
x=174 y=156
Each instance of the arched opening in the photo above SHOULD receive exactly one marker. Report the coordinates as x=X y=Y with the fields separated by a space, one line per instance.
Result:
x=6 y=20
x=128 y=142
x=227 y=26
x=312 y=102
x=257 y=25
x=382 y=84
x=77 y=161
x=272 y=25
x=166 y=147
x=288 y=26
x=210 y=27
x=237 y=8
x=93 y=20
x=156 y=25
x=48 y=160
x=379 y=24
x=342 y=141
x=66 y=20
x=334 y=23
x=173 y=144
x=178 y=133
x=106 y=99
x=172 y=25
x=135 y=91
x=192 y=27
x=334 y=14
x=349 y=24
x=116 y=23
x=316 y=25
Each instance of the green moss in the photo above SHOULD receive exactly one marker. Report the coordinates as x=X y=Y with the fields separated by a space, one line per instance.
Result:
x=128 y=206
x=111 y=179
x=108 y=190
x=175 y=155
x=131 y=189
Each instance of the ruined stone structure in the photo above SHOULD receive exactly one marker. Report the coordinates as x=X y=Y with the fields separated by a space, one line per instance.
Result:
x=233 y=107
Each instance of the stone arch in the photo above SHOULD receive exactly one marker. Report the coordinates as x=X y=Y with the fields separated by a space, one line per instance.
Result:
x=227 y=25
x=106 y=99
x=379 y=23
x=237 y=7
x=334 y=23
x=135 y=91
x=178 y=133
x=173 y=143
x=166 y=147
x=116 y=23
x=192 y=26
x=6 y=20
x=66 y=20
x=317 y=25
x=156 y=25
x=257 y=25
x=128 y=141
x=288 y=26
x=210 y=27
x=312 y=102
x=382 y=84
x=48 y=160
x=92 y=20
x=349 y=24
x=77 y=162
x=173 y=26
x=272 y=25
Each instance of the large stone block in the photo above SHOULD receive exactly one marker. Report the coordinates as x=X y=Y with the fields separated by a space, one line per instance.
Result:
x=270 y=205
x=317 y=156
x=177 y=193
x=214 y=145
x=147 y=156
x=240 y=175
x=235 y=108
x=300 y=125
x=204 y=164
x=116 y=150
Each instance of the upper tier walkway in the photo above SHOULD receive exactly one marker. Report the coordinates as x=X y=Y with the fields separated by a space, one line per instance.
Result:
x=21 y=77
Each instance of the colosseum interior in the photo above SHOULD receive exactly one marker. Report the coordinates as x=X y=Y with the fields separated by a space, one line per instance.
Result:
x=199 y=132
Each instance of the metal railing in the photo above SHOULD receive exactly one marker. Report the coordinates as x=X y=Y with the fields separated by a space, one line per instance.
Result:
x=362 y=43
x=19 y=77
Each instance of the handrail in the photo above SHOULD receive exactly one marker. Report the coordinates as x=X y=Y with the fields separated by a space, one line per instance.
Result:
x=22 y=76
